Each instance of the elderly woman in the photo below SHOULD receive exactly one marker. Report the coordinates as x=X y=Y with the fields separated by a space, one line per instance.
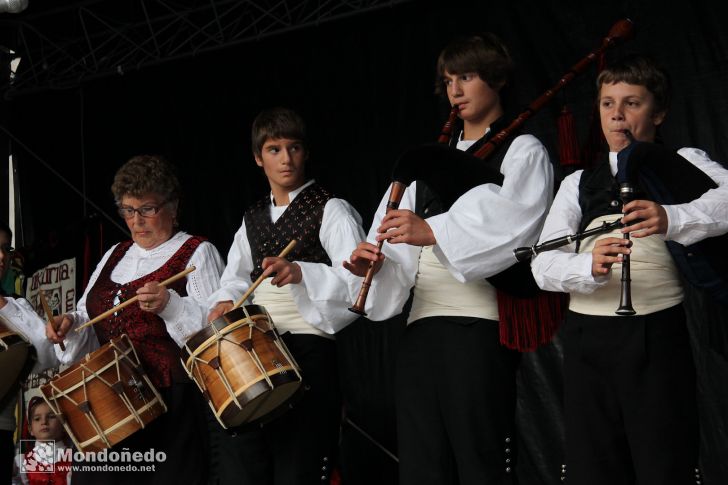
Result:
x=147 y=194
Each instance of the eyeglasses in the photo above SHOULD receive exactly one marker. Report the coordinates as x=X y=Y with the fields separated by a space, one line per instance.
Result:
x=7 y=248
x=144 y=211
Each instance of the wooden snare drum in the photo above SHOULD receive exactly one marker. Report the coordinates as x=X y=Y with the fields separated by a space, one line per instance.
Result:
x=105 y=397
x=15 y=361
x=242 y=366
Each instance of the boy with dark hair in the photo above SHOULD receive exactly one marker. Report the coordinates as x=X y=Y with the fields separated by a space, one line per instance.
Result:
x=630 y=408
x=455 y=383
x=278 y=123
x=483 y=54
x=304 y=295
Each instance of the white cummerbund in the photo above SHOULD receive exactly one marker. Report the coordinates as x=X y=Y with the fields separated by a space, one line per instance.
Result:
x=282 y=309
x=655 y=284
x=437 y=293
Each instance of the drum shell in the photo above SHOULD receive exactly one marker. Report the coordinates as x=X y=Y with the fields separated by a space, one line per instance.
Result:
x=121 y=398
x=242 y=350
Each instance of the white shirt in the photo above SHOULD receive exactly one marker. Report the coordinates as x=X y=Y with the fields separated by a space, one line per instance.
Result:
x=18 y=315
x=566 y=271
x=476 y=236
x=183 y=316
x=321 y=297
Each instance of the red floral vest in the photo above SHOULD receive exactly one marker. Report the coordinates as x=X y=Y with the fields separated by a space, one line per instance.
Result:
x=158 y=352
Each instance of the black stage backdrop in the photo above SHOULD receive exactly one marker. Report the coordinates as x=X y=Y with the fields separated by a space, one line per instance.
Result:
x=364 y=85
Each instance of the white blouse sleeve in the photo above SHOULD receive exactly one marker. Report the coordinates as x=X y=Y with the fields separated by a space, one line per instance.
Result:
x=19 y=316
x=706 y=216
x=562 y=269
x=235 y=279
x=84 y=341
x=322 y=297
x=185 y=316
x=391 y=286
x=477 y=235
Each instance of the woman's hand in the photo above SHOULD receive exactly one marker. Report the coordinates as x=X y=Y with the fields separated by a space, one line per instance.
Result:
x=56 y=331
x=153 y=297
x=221 y=308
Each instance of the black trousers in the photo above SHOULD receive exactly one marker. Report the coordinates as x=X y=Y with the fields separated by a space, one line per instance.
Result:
x=181 y=433
x=630 y=403
x=300 y=446
x=455 y=399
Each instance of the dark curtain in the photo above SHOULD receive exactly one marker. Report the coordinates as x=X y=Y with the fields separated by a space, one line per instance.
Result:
x=365 y=86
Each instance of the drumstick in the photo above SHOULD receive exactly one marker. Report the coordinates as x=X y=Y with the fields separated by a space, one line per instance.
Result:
x=49 y=314
x=260 y=279
x=134 y=299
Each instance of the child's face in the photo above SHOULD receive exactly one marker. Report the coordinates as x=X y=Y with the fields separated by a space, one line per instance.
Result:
x=475 y=98
x=283 y=162
x=630 y=107
x=44 y=424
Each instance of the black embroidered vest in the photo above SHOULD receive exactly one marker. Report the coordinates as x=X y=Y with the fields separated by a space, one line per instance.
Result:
x=158 y=352
x=300 y=221
x=599 y=193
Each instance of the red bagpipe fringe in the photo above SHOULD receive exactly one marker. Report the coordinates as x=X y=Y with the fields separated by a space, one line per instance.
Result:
x=335 y=477
x=527 y=323
x=568 y=143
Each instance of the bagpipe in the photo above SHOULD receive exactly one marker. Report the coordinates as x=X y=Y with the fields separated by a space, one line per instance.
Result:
x=528 y=316
x=657 y=173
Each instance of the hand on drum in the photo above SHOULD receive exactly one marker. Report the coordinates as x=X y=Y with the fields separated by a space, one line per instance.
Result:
x=362 y=256
x=153 y=297
x=648 y=218
x=283 y=270
x=220 y=309
x=404 y=226
x=58 y=330
x=606 y=252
